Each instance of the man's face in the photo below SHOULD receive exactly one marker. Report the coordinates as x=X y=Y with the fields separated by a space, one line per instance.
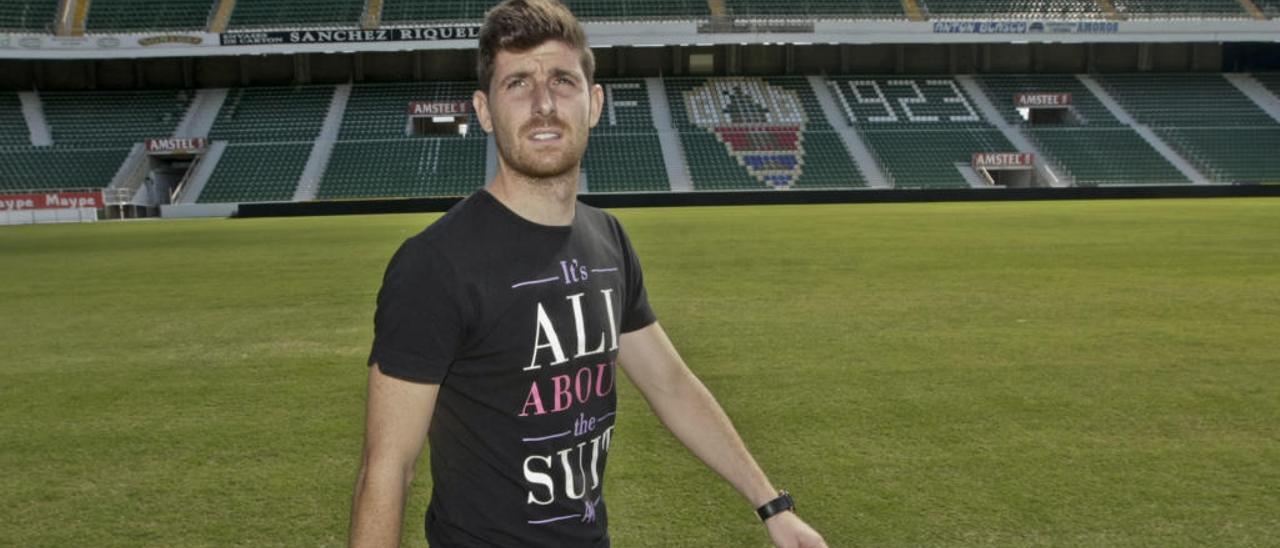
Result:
x=540 y=109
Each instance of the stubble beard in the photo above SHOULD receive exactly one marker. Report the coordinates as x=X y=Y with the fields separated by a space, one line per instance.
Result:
x=535 y=165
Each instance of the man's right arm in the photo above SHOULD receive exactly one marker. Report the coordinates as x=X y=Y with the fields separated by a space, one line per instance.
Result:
x=397 y=416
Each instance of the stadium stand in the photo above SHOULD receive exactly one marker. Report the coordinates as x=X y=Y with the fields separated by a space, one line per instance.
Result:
x=113 y=118
x=1231 y=155
x=927 y=158
x=259 y=172
x=376 y=157
x=409 y=11
x=270 y=133
x=1075 y=9
x=412 y=11
x=27 y=15
x=1105 y=156
x=1203 y=116
x=146 y=15
x=1183 y=100
x=1091 y=146
x=13 y=127
x=1139 y=9
x=917 y=128
x=93 y=132
x=1270 y=8
x=405 y=167
x=54 y=168
x=272 y=114
x=753 y=133
x=624 y=153
x=831 y=9
x=1270 y=80
x=295 y=13
x=632 y=9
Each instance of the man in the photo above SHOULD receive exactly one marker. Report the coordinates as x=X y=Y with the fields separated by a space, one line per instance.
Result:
x=501 y=326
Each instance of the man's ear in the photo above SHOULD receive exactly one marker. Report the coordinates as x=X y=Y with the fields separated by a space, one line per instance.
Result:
x=597 y=103
x=480 y=102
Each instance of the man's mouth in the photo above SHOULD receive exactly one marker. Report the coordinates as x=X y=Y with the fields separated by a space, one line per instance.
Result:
x=545 y=135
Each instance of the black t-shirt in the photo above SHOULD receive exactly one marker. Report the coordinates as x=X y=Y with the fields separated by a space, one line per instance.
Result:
x=519 y=325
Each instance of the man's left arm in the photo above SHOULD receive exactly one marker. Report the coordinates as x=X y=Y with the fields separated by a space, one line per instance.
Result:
x=692 y=414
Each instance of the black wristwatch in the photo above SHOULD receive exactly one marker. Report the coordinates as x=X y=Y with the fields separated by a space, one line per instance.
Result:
x=777 y=506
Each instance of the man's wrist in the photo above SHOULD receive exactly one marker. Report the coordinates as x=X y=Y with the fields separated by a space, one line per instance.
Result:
x=783 y=503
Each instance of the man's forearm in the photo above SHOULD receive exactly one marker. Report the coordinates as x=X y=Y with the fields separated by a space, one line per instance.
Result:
x=377 y=509
x=694 y=416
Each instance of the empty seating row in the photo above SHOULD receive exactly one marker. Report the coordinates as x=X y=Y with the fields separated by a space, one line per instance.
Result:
x=627 y=9
x=1269 y=80
x=27 y=15
x=257 y=172
x=55 y=168
x=272 y=114
x=1104 y=156
x=296 y=13
x=1203 y=116
x=113 y=118
x=439 y=166
x=1074 y=9
x=834 y=9
x=148 y=15
x=1183 y=100
x=270 y=133
x=13 y=126
x=917 y=158
x=1180 y=8
x=616 y=162
x=408 y=11
x=1270 y=8
x=1230 y=155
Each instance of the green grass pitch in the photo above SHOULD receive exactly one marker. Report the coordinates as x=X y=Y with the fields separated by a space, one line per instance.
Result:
x=1102 y=373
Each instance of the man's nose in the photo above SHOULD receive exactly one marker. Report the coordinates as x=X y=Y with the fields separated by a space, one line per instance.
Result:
x=544 y=102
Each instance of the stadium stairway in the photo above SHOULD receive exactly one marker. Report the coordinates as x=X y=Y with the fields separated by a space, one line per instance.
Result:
x=203 y=112
x=1056 y=177
x=1189 y=171
x=33 y=113
x=128 y=181
x=668 y=138
x=1258 y=93
x=309 y=182
x=857 y=148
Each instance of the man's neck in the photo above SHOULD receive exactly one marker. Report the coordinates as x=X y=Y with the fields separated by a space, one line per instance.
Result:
x=543 y=201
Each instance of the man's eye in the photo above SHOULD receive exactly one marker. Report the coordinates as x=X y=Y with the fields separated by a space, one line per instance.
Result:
x=514 y=83
x=564 y=81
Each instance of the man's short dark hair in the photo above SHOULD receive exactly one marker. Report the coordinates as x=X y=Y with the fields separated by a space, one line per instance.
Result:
x=521 y=25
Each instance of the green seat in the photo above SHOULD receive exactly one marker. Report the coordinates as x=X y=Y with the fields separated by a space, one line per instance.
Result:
x=148 y=15
x=28 y=15
x=296 y=13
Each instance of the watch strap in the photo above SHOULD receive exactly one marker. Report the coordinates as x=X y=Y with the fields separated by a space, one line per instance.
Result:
x=776 y=506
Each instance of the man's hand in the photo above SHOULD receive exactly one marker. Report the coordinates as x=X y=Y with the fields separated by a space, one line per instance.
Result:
x=789 y=531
